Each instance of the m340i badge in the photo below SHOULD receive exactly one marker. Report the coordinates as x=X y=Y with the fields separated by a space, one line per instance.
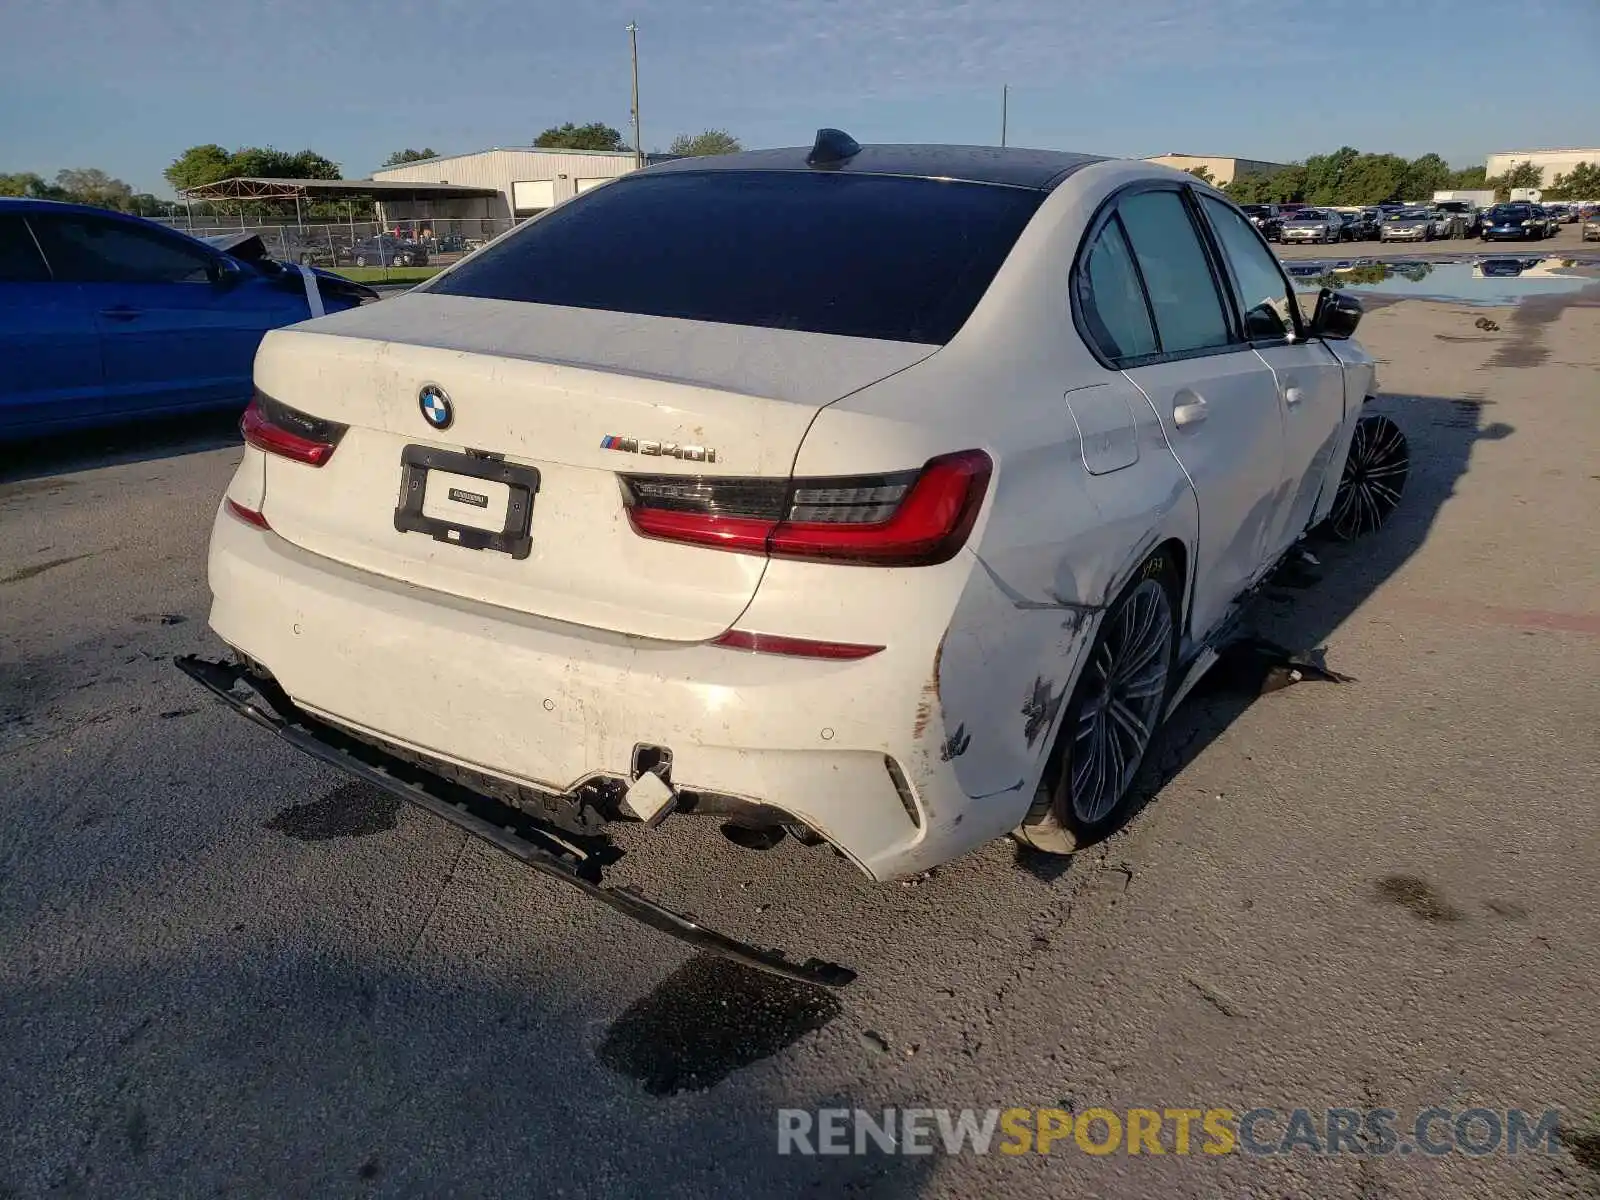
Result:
x=630 y=445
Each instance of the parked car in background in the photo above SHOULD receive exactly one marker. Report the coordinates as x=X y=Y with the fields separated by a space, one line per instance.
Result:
x=773 y=476
x=107 y=318
x=388 y=251
x=1361 y=226
x=1313 y=225
x=1445 y=224
x=1465 y=211
x=1266 y=218
x=1408 y=225
x=1589 y=228
x=1562 y=214
x=1514 y=222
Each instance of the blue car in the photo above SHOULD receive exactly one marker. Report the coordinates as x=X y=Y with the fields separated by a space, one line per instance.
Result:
x=1519 y=222
x=107 y=318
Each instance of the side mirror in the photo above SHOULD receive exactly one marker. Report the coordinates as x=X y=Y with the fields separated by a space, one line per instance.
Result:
x=1336 y=316
x=224 y=272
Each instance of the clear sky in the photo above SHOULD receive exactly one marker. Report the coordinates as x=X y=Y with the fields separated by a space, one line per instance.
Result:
x=127 y=86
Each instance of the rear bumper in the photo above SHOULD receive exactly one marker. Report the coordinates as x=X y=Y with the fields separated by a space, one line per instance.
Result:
x=554 y=706
x=524 y=839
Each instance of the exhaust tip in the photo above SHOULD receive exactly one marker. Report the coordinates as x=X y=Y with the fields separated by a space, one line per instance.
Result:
x=752 y=837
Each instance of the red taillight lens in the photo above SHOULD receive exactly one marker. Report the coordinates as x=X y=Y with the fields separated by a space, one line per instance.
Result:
x=289 y=433
x=907 y=519
x=767 y=643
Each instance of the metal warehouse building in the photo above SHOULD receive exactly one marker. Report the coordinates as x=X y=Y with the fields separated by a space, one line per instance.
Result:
x=1224 y=168
x=1550 y=162
x=528 y=180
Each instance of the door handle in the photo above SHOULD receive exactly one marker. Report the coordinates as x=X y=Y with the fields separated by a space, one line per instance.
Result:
x=1189 y=409
x=1291 y=396
x=122 y=313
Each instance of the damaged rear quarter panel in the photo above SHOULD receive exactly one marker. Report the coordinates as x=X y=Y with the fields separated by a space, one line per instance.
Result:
x=1032 y=606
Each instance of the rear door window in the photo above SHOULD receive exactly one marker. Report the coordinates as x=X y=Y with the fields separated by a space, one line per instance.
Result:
x=91 y=250
x=867 y=256
x=20 y=261
x=1183 y=292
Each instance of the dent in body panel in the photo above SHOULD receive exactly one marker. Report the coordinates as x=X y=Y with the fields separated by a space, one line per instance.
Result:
x=1029 y=609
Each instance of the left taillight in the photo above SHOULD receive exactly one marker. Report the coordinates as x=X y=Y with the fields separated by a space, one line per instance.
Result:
x=904 y=519
x=272 y=426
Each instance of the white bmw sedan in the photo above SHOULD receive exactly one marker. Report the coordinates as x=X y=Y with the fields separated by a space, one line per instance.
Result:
x=887 y=494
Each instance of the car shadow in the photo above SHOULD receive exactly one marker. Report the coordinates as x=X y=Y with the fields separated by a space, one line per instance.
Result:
x=251 y=1064
x=148 y=440
x=1302 y=605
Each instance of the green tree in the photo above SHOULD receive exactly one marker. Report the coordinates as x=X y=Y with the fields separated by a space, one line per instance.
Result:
x=147 y=205
x=90 y=185
x=1424 y=176
x=31 y=186
x=1249 y=189
x=1373 y=179
x=198 y=165
x=1469 y=179
x=401 y=157
x=1580 y=183
x=1324 y=174
x=1521 y=175
x=1288 y=185
x=1203 y=174
x=594 y=136
x=712 y=141
x=264 y=162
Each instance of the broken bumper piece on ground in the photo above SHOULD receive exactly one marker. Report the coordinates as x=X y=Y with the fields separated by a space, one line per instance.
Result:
x=546 y=850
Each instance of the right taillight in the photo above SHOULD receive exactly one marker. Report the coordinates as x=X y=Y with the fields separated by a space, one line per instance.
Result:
x=274 y=427
x=903 y=519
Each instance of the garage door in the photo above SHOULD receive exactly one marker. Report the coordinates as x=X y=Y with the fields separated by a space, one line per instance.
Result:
x=585 y=184
x=533 y=195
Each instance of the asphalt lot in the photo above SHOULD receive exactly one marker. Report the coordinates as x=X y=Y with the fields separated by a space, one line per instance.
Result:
x=224 y=970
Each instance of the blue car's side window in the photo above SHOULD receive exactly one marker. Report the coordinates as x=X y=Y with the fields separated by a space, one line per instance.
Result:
x=86 y=250
x=20 y=261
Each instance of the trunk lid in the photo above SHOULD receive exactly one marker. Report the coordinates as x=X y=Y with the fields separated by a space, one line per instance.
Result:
x=578 y=395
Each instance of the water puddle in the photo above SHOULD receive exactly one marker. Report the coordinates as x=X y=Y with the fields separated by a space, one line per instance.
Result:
x=708 y=1019
x=1487 y=280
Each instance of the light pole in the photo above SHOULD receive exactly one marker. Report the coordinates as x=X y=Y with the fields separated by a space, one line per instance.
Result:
x=1005 y=105
x=638 y=144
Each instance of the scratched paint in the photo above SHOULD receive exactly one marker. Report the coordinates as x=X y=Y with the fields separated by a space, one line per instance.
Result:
x=1040 y=708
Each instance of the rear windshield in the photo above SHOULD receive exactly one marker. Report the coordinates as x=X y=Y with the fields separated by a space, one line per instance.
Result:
x=867 y=256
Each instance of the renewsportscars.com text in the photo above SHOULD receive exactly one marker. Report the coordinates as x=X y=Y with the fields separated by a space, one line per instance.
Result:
x=1259 y=1132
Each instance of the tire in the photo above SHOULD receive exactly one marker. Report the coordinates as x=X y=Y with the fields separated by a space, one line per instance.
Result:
x=361 y=260
x=1374 y=478
x=1132 y=661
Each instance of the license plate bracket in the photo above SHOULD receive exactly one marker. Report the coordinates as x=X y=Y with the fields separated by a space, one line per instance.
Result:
x=514 y=539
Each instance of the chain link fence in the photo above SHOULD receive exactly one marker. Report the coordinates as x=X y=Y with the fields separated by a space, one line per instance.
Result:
x=399 y=250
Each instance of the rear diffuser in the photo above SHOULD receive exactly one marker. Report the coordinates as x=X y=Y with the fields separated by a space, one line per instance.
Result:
x=545 y=849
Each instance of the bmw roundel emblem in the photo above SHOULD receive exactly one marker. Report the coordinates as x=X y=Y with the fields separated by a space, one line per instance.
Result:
x=436 y=407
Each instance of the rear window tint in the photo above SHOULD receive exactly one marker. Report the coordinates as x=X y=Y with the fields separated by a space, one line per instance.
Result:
x=861 y=255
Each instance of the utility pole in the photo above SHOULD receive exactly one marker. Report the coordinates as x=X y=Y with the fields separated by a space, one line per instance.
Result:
x=638 y=143
x=1005 y=106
